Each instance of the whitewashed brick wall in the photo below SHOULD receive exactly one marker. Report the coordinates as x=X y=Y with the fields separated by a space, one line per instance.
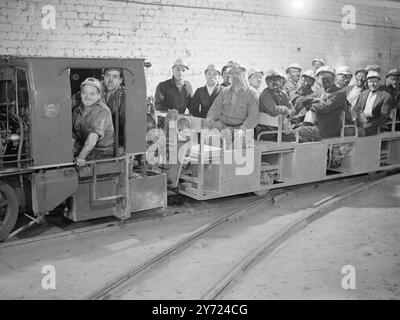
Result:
x=259 y=33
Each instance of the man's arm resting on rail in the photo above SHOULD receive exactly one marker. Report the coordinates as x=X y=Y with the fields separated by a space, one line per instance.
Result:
x=90 y=143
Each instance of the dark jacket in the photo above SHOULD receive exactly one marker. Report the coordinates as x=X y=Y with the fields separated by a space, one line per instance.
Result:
x=168 y=96
x=393 y=92
x=117 y=100
x=290 y=88
x=270 y=100
x=329 y=111
x=396 y=97
x=202 y=101
x=383 y=104
x=298 y=96
x=225 y=84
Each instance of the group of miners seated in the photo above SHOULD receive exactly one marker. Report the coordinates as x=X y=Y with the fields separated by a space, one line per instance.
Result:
x=310 y=104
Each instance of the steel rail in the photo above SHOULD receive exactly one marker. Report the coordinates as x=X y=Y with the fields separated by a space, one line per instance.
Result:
x=158 y=258
x=106 y=291
x=169 y=212
x=316 y=211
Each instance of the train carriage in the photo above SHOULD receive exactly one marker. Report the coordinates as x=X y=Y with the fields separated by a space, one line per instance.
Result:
x=209 y=168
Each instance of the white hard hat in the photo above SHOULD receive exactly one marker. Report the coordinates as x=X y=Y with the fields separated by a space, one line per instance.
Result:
x=236 y=65
x=318 y=60
x=326 y=69
x=345 y=70
x=309 y=73
x=254 y=71
x=274 y=73
x=373 y=74
x=212 y=67
x=293 y=66
x=180 y=62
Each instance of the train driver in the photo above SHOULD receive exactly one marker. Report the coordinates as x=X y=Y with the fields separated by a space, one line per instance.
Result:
x=92 y=125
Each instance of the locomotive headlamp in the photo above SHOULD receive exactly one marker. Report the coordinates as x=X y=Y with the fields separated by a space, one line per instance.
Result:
x=184 y=123
x=298 y=4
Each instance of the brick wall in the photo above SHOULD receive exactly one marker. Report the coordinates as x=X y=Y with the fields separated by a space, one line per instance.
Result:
x=254 y=32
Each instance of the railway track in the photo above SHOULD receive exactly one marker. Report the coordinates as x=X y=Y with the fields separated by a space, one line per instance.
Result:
x=173 y=210
x=179 y=207
x=143 y=272
x=316 y=211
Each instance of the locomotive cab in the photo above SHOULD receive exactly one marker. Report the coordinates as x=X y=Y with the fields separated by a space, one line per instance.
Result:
x=102 y=180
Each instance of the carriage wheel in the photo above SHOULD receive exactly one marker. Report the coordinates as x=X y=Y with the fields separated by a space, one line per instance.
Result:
x=262 y=192
x=8 y=209
x=268 y=180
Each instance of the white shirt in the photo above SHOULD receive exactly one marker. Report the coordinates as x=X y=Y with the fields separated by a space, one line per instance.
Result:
x=369 y=104
x=210 y=89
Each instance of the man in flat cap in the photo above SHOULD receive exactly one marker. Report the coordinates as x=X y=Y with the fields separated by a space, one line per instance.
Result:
x=204 y=96
x=327 y=106
x=236 y=107
x=274 y=102
x=293 y=76
x=92 y=125
x=354 y=91
x=255 y=77
x=174 y=93
x=343 y=76
x=373 y=106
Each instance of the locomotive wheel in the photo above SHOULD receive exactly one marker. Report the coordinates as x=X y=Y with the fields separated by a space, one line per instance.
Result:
x=8 y=209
